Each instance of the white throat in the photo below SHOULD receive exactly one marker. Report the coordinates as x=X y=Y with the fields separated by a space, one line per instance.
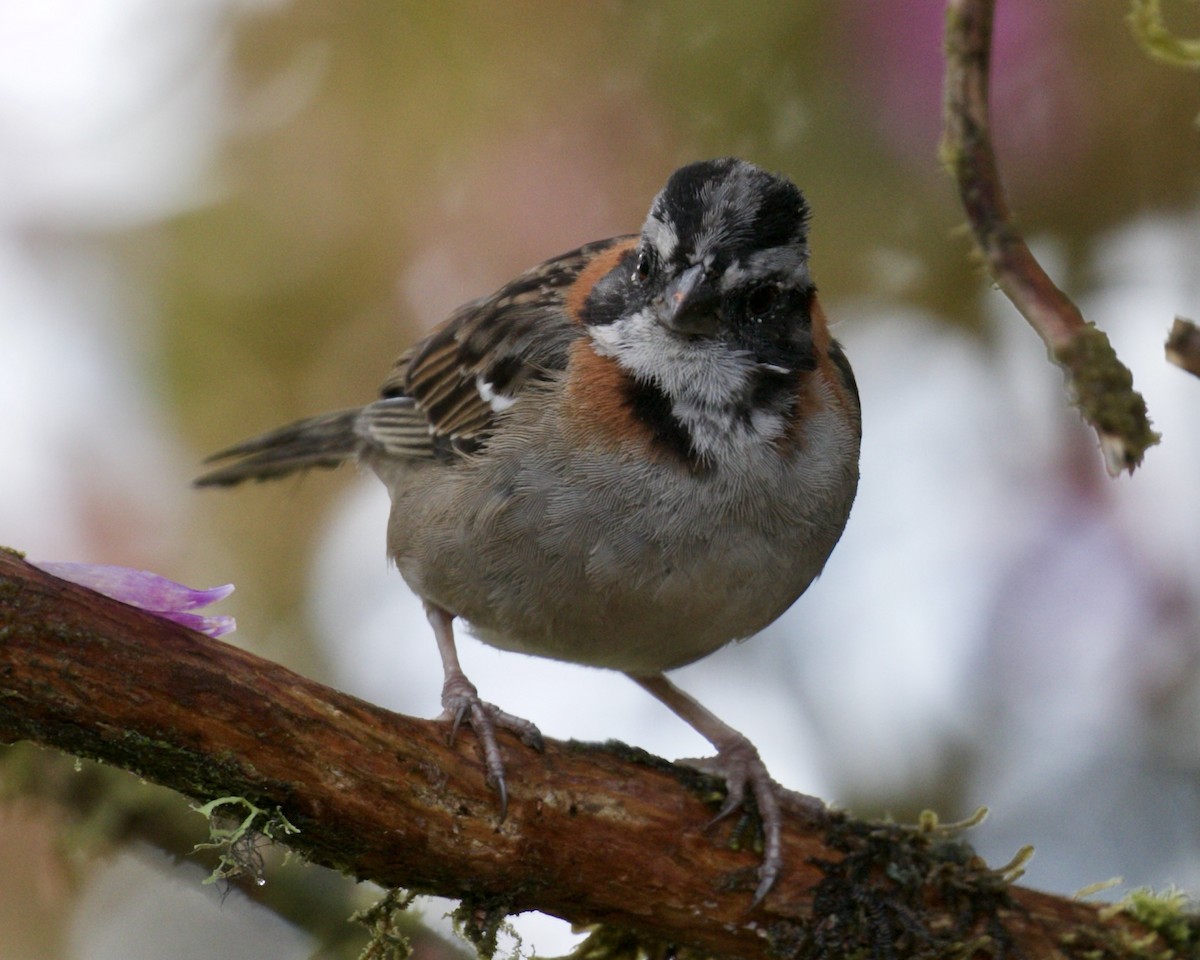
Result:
x=706 y=381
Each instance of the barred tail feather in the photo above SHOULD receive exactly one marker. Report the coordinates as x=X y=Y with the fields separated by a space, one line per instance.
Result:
x=324 y=441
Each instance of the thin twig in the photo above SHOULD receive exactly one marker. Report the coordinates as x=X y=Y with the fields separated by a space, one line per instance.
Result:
x=1102 y=387
x=1183 y=345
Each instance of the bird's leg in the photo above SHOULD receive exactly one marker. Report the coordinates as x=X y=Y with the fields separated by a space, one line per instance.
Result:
x=738 y=762
x=460 y=701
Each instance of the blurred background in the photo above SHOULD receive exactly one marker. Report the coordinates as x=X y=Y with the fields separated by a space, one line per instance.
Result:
x=218 y=215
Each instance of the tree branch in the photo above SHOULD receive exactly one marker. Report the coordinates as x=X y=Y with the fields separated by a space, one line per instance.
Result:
x=594 y=834
x=1101 y=386
x=1183 y=346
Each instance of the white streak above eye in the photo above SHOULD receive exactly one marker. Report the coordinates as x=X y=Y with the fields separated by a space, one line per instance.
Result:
x=661 y=236
x=497 y=401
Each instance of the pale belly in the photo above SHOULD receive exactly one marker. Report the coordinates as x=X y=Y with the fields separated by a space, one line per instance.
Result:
x=638 y=577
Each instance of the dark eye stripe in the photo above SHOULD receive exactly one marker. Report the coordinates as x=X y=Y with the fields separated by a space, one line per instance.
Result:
x=613 y=294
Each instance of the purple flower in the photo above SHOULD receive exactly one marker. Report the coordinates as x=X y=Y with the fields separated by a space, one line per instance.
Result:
x=139 y=588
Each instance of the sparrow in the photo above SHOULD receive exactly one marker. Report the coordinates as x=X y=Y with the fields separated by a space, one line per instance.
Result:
x=628 y=457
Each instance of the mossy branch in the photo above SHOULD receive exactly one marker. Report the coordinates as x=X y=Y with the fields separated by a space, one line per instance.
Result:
x=1101 y=386
x=595 y=835
x=1183 y=346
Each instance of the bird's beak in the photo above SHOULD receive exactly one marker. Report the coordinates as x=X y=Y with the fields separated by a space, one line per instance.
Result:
x=689 y=306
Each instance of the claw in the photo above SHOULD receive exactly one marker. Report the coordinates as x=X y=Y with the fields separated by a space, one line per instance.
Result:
x=461 y=703
x=532 y=738
x=459 y=716
x=733 y=802
x=502 y=789
x=767 y=873
x=738 y=763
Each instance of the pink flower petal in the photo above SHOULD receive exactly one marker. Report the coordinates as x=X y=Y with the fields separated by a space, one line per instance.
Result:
x=213 y=626
x=148 y=591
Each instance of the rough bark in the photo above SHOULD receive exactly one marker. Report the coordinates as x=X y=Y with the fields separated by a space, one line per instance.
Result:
x=594 y=834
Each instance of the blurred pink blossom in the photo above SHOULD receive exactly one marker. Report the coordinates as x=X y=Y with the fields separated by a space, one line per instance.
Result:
x=1041 y=117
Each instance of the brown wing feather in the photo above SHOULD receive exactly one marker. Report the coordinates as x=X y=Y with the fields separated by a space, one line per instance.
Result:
x=478 y=361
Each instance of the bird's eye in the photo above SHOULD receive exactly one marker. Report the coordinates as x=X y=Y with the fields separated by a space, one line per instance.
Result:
x=762 y=299
x=642 y=268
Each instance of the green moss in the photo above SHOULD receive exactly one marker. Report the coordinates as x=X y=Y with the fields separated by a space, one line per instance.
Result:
x=623 y=751
x=480 y=921
x=895 y=891
x=711 y=788
x=611 y=943
x=901 y=892
x=386 y=921
x=1170 y=921
x=1103 y=391
x=1171 y=916
x=1165 y=914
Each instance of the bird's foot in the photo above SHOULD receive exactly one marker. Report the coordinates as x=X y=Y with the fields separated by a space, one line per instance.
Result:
x=745 y=775
x=461 y=703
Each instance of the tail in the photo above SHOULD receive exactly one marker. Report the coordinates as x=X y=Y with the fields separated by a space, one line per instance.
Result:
x=324 y=441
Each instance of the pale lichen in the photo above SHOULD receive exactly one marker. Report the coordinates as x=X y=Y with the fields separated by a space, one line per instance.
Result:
x=238 y=844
